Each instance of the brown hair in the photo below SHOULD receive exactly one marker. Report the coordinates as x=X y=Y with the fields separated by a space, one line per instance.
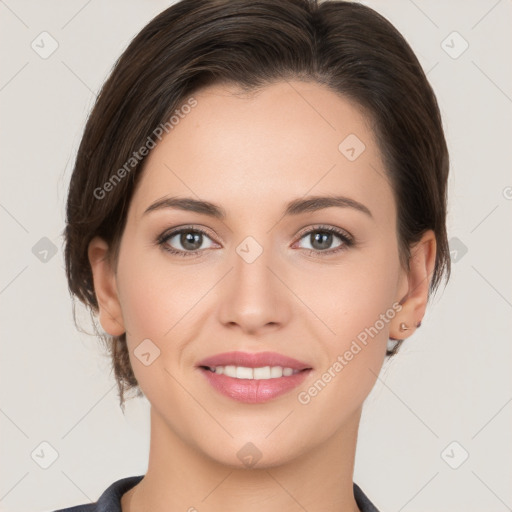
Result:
x=251 y=43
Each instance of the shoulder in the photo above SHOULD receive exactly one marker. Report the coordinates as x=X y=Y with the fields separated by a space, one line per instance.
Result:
x=110 y=500
x=363 y=502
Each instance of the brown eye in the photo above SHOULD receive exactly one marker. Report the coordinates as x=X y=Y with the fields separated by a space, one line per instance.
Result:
x=323 y=240
x=185 y=241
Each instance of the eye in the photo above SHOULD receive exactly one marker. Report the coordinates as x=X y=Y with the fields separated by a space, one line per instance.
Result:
x=321 y=239
x=189 y=241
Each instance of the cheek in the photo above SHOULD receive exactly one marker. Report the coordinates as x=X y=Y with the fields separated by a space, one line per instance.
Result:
x=361 y=305
x=141 y=298
x=358 y=294
x=153 y=301
x=159 y=303
x=359 y=309
x=154 y=294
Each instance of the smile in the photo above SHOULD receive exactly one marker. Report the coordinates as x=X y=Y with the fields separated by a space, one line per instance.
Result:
x=254 y=385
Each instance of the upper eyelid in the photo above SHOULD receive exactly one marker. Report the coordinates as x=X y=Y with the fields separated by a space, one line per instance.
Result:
x=319 y=227
x=179 y=229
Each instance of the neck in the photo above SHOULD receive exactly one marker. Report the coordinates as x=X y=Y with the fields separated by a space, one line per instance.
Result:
x=179 y=477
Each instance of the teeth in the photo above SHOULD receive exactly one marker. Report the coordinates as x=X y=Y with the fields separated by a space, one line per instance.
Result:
x=263 y=373
x=243 y=373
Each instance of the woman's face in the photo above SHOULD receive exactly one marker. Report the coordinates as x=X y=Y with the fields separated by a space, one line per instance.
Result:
x=267 y=277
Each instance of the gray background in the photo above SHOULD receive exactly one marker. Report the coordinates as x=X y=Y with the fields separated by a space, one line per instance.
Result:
x=450 y=383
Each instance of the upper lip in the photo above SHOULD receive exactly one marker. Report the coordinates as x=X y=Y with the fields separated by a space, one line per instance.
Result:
x=254 y=360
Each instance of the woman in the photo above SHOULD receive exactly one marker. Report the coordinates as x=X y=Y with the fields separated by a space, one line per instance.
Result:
x=257 y=208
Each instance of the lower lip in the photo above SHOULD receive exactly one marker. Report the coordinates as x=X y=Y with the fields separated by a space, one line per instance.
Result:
x=253 y=391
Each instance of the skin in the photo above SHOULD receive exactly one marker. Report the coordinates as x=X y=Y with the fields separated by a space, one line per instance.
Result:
x=251 y=154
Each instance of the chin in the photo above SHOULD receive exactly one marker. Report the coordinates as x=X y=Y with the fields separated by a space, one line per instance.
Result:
x=257 y=452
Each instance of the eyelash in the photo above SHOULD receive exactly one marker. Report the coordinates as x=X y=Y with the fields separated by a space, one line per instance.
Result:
x=347 y=240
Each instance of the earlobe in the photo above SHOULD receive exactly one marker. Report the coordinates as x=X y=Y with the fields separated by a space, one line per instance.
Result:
x=414 y=302
x=105 y=288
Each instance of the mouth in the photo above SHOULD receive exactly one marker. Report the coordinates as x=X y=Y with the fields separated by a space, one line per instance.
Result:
x=253 y=361
x=253 y=378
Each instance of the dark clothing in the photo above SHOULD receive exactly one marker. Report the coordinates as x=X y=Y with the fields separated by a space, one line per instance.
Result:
x=110 y=500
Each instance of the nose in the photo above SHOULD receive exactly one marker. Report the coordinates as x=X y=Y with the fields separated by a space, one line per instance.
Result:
x=253 y=297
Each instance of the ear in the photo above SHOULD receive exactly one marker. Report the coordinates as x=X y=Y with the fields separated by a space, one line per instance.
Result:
x=105 y=288
x=413 y=294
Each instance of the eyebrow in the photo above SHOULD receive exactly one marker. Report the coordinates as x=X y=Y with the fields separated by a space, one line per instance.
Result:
x=295 y=207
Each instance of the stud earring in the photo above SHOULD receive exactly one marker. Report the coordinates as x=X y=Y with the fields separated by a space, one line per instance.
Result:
x=403 y=327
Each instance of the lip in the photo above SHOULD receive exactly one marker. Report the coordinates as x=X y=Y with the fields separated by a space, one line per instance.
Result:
x=254 y=360
x=253 y=391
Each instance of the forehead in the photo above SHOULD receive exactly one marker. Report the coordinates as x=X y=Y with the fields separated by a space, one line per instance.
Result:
x=261 y=149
